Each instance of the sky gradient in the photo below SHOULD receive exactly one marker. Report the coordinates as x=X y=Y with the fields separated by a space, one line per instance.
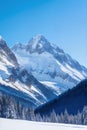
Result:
x=63 y=22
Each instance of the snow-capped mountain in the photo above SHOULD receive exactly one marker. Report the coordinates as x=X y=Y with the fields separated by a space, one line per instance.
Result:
x=18 y=82
x=49 y=64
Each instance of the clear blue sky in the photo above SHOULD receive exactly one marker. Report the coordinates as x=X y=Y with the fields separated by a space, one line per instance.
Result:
x=63 y=22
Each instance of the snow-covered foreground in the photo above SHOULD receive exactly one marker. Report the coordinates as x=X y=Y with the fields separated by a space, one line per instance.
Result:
x=8 y=124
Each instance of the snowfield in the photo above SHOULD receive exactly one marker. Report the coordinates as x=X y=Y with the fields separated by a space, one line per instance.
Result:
x=8 y=124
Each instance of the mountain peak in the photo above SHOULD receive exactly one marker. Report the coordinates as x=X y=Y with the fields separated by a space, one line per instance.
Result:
x=38 y=44
x=40 y=39
x=6 y=55
x=17 y=46
x=2 y=41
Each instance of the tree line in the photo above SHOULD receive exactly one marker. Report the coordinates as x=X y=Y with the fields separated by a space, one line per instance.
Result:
x=10 y=108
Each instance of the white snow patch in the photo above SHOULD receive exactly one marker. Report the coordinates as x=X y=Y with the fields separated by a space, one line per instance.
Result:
x=11 y=124
x=67 y=69
x=3 y=68
x=75 y=72
x=7 y=83
x=34 y=89
x=52 y=85
x=28 y=90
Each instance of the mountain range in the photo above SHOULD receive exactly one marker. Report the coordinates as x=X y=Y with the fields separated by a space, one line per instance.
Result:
x=38 y=71
x=49 y=64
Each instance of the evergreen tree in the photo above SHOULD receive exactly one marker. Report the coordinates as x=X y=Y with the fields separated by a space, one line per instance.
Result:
x=78 y=118
x=53 y=117
x=66 y=116
x=84 y=116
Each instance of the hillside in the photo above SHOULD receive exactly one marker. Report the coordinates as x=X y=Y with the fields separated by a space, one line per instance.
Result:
x=72 y=100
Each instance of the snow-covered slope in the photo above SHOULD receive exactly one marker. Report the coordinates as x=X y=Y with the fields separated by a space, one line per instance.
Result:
x=8 y=124
x=7 y=60
x=17 y=81
x=49 y=64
